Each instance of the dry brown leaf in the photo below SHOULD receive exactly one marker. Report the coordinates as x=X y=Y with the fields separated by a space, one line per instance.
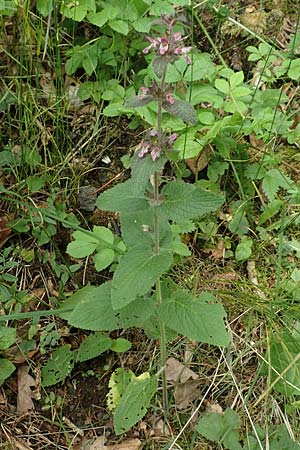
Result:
x=214 y=408
x=127 y=444
x=25 y=394
x=186 y=393
x=19 y=445
x=199 y=162
x=218 y=253
x=176 y=371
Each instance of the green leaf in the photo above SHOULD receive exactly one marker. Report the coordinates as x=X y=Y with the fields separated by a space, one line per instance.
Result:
x=222 y=86
x=6 y=369
x=44 y=7
x=137 y=272
x=283 y=353
x=122 y=198
x=159 y=65
x=95 y=312
x=270 y=210
x=83 y=245
x=93 y=346
x=7 y=337
x=118 y=383
x=120 y=345
x=273 y=181
x=120 y=26
x=134 y=402
x=244 y=249
x=184 y=201
x=135 y=313
x=196 y=318
x=100 y=18
x=221 y=428
x=182 y=109
x=139 y=228
x=103 y=259
x=35 y=183
x=294 y=70
x=142 y=169
x=59 y=366
x=137 y=101
x=236 y=79
x=79 y=296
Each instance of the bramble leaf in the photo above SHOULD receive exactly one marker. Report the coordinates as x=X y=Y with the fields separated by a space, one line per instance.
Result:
x=136 y=273
x=196 y=318
x=273 y=180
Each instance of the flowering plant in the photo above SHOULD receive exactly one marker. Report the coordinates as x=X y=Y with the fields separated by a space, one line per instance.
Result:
x=151 y=210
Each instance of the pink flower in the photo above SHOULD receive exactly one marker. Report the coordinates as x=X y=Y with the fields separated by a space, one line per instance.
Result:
x=172 y=138
x=144 y=91
x=153 y=133
x=144 y=149
x=155 y=152
x=170 y=98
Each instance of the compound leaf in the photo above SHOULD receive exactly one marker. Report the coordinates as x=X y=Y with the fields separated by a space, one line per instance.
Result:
x=196 y=318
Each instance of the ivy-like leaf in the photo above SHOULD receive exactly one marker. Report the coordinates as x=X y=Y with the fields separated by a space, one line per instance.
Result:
x=182 y=109
x=184 y=201
x=137 y=101
x=134 y=402
x=136 y=273
x=196 y=318
x=122 y=198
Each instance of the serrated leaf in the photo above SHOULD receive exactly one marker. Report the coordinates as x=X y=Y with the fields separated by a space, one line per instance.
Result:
x=273 y=181
x=6 y=369
x=118 y=383
x=79 y=296
x=95 y=312
x=139 y=228
x=103 y=259
x=221 y=428
x=196 y=318
x=134 y=402
x=184 y=201
x=137 y=101
x=59 y=366
x=159 y=65
x=7 y=337
x=136 y=312
x=93 y=345
x=142 y=169
x=137 y=272
x=182 y=109
x=122 y=198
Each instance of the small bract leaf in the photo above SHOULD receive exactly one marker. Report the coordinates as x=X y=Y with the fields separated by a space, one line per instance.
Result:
x=136 y=102
x=182 y=109
x=159 y=65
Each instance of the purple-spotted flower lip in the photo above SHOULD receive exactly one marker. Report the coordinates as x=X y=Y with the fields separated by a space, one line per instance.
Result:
x=150 y=144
